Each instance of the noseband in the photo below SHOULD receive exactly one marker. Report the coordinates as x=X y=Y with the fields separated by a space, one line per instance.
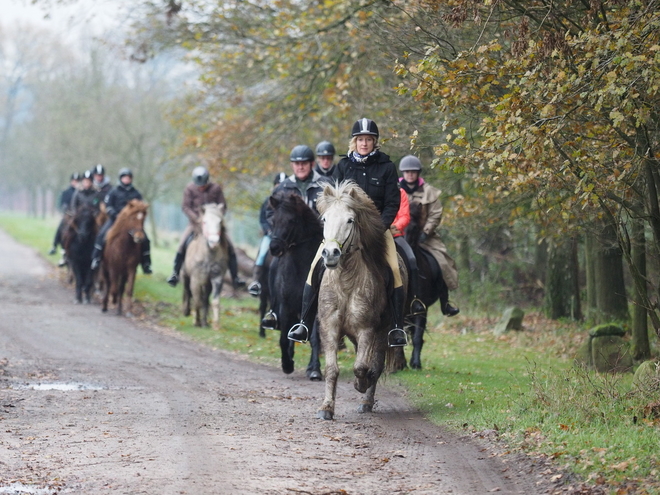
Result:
x=349 y=240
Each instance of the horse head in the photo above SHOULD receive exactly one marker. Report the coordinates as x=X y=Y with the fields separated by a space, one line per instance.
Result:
x=292 y=223
x=84 y=222
x=414 y=228
x=347 y=214
x=212 y=223
x=131 y=220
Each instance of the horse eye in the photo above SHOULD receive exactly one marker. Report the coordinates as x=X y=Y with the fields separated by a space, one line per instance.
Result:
x=350 y=220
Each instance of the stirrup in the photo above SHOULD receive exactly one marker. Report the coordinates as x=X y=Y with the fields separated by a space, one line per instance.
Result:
x=254 y=289
x=397 y=337
x=422 y=312
x=173 y=280
x=269 y=320
x=297 y=338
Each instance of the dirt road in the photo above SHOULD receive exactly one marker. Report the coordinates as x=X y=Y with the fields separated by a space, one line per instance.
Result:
x=92 y=403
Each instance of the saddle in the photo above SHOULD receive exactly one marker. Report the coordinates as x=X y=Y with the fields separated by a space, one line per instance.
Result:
x=434 y=266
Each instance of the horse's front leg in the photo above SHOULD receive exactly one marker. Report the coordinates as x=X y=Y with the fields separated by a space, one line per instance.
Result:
x=130 y=284
x=79 y=284
x=418 y=342
x=106 y=290
x=121 y=285
x=314 y=366
x=367 y=346
x=327 y=410
x=367 y=404
x=215 y=300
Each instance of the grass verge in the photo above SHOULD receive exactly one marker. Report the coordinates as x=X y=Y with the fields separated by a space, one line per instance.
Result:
x=521 y=388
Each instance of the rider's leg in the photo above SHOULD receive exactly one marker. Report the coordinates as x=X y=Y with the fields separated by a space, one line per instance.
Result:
x=254 y=288
x=445 y=306
x=57 y=240
x=146 y=255
x=99 y=244
x=269 y=320
x=397 y=335
x=417 y=307
x=300 y=331
x=180 y=255
x=233 y=266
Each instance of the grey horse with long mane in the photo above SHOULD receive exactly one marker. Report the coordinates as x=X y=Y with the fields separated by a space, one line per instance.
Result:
x=353 y=296
x=205 y=265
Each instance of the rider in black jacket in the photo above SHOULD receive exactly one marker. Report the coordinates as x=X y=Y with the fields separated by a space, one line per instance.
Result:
x=117 y=198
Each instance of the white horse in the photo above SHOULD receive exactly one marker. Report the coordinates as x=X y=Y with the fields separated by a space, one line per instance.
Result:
x=205 y=265
x=353 y=296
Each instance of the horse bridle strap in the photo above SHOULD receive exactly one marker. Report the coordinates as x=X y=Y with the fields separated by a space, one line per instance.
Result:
x=349 y=237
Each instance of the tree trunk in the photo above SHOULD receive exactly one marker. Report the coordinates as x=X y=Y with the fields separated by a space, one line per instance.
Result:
x=641 y=346
x=464 y=256
x=610 y=286
x=590 y=268
x=561 y=296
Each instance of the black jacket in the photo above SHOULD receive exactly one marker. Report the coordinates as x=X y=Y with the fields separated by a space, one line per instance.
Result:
x=84 y=197
x=311 y=193
x=118 y=197
x=378 y=178
x=66 y=197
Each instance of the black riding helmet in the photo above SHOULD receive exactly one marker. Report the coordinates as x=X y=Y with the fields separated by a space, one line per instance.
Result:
x=76 y=176
x=125 y=171
x=98 y=169
x=364 y=126
x=279 y=178
x=302 y=153
x=88 y=174
x=325 y=148
x=200 y=176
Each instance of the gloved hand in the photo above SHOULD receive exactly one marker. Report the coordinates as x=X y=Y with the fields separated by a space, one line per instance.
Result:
x=423 y=237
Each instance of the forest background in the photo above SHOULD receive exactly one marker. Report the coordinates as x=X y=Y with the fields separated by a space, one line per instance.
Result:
x=537 y=120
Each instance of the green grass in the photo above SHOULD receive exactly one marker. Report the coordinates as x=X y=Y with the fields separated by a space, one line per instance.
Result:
x=522 y=385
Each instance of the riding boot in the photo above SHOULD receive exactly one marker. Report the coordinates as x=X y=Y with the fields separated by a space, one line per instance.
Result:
x=397 y=337
x=300 y=331
x=233 y=268
x=254 y=288
x=146 y=264
x=417 y=307
x=269 y=321
x=178 y=263
x=97 y=254
x=445 y=306
x=63 y=261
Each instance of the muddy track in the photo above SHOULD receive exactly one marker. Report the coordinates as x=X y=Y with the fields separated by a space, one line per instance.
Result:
x=94 y=403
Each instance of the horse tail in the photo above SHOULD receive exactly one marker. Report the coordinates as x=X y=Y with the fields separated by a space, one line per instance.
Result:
x=392 y=359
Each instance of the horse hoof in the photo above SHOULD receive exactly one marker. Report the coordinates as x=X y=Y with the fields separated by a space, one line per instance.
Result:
x=314 y=376
x=288 y=369
x=76 y=301
x=129 y=314
x=326 y=415
x=365 y=408
x=416 y=365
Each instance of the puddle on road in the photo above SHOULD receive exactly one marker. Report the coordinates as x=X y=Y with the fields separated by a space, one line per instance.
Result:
x=62 y=386
x=21 y=489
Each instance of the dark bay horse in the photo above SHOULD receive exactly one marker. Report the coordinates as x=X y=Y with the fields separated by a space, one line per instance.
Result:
x=353 y=297
x=431 y=283
x=122 y=255
x=78 y=237
x=296 y=235
x=205 y=265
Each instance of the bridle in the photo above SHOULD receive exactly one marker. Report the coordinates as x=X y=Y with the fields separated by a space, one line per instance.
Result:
x=349 y=240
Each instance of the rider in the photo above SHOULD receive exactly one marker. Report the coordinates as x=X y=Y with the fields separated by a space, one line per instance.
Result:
x=325 y=151
x=116 y=199
x=196 y=194
x=254 y=288
x=306 y=183
x=102 y=183
x=419 y=191
x=398 y=228
x=375 y=173
x=85 y=194
x=63 y=205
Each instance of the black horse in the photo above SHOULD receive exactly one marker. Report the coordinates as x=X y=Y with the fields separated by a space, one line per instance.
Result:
x=78 y=241
x=432 y=286
x=296 y=233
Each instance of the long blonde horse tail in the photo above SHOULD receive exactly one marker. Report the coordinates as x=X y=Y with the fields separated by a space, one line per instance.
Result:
x=391 y=359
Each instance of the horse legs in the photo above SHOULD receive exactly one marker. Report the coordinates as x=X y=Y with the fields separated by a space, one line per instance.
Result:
x=216 y=284
x=327 y=410
x=121 y=285
x=314 y=366
x=79 y=283
x=376 y=369
x=130 y=284
x=106 y=289
x=367 y=351
x=187 y=294
x=418 y=342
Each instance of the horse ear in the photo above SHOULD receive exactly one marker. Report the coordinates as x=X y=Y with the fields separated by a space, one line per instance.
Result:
x=274 y=202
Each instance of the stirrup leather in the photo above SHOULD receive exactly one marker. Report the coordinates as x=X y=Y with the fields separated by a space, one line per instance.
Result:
x=394 y=337
x=296 y=327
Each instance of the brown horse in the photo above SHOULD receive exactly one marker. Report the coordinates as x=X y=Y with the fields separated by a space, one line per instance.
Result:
x=123 y=254
x=205 y=264
x=353 y=296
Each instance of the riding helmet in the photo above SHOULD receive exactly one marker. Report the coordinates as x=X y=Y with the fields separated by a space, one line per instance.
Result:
x=302 y=153
x=88 y=174
x=325 y=148
x=76 y=176
x=125 y=171
x=410 y=162
x=98 y=169
x=200 y=176
x=279 y=178
x=364 y=126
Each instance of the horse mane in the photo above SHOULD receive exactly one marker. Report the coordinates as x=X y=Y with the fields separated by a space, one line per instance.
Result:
x=414 y=229
x=126 y=219
x=367 y=217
